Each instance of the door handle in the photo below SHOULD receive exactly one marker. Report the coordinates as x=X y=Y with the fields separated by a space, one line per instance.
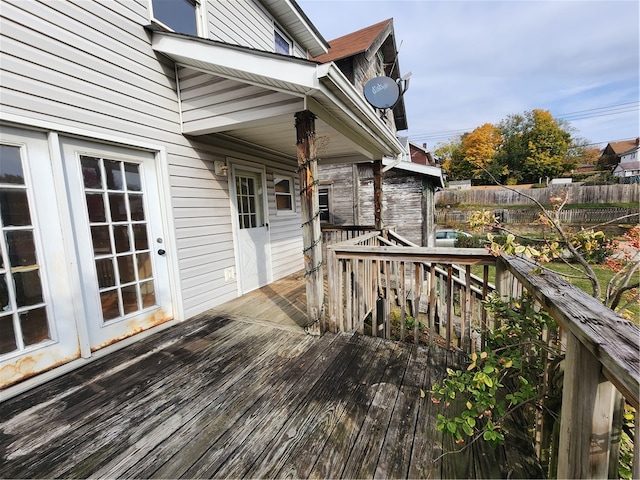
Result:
x=161 y=252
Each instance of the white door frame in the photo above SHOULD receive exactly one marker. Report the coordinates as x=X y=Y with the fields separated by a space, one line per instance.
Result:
x=102 y=333
x=236 y=164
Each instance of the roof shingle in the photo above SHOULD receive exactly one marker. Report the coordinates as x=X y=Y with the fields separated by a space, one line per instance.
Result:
x=353 y=43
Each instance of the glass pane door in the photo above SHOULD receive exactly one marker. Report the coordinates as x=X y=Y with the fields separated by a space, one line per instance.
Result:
x=38 y=314
x=23 y=312
x=121 y=251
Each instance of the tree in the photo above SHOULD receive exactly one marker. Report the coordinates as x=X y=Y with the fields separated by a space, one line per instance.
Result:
x=536 y=145
x=523 y=148
x=479 y=149
x=450 y=157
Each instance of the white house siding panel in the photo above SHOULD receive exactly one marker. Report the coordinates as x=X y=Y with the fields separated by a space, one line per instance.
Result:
x=89 y=67
x=209 y=102
x=241 y=22
x=285 y=229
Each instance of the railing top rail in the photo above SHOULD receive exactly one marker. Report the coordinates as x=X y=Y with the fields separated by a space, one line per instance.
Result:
x=356 y=241
x=347 y=228
x=462 y=256
x=613 y=340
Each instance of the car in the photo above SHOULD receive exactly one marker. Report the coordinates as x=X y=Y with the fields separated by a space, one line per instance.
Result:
x=447 y=237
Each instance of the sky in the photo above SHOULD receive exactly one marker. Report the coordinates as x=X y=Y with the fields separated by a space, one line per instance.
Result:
x=474 y=62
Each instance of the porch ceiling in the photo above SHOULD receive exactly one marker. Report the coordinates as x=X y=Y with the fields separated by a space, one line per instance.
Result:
x=349 y=129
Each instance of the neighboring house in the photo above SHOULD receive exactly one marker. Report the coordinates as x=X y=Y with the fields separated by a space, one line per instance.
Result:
x=612 y=153
x=347 y=196
x=148 y=167
x=420 y=154
x=365 y=54
x=628 y=171
x=347 y=191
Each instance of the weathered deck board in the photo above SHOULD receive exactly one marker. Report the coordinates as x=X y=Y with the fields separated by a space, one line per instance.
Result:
x=220 y=397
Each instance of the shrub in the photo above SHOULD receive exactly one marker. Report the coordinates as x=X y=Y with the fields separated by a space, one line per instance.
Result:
x=475 y=241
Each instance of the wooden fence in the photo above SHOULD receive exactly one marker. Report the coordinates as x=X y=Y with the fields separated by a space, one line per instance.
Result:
x=621 y=193
x=590 y=216
x=371 y=276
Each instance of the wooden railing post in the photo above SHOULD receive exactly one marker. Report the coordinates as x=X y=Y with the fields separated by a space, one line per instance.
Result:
x=502 y=281
x=334 y=281
x=586 y=419
x=377 y=194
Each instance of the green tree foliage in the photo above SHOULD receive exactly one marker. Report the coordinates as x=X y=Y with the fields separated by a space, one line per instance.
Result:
x=536 y=146
x=521 y=149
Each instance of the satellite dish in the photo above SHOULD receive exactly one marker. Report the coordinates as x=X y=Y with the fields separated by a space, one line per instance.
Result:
x=382 y=92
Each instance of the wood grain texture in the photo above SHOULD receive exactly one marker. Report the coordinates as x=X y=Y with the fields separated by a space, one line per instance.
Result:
x=224 y=396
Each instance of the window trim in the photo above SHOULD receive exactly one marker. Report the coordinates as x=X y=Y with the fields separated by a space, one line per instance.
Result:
x=292 y=182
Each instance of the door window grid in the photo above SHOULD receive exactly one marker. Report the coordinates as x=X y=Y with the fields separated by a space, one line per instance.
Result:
x=248 y=204
x=23 y=314
x=119 y=233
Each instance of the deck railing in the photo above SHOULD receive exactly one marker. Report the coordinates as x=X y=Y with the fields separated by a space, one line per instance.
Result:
x=382 y=285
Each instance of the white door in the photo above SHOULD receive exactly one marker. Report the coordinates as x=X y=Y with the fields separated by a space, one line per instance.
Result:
x=252 y=228
x=118 y=229
x=37 y=321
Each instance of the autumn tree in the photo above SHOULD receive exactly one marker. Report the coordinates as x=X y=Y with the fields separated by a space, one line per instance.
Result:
x=479 y=149
x=521 y=149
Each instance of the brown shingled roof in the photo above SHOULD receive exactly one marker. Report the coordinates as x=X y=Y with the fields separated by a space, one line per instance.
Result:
x=623 y=146
x=353 y=43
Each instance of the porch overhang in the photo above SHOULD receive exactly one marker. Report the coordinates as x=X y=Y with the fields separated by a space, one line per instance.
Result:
x=434 y=173
x=280 y=86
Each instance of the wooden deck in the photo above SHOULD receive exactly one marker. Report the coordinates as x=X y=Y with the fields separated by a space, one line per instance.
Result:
x=227 y=397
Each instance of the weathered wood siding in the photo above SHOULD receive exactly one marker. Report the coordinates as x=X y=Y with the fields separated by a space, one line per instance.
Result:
x=625 y=193
x=344 y=204
x=402 y=195
x=89 y=66
x=407 y=199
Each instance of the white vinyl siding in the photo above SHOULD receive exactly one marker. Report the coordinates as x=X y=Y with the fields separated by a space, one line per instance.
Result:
x=246 y=23
x=209 y=103
x=240 y=22
x=286 y=233
x=88 y=67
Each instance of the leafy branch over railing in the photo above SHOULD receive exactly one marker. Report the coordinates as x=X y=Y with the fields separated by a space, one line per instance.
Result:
x=504 y=377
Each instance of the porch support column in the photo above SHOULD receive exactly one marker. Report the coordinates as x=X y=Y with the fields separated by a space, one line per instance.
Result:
x=377 y=194
x=311 y=232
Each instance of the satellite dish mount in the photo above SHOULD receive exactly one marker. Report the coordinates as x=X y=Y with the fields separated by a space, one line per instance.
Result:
x=384 y=92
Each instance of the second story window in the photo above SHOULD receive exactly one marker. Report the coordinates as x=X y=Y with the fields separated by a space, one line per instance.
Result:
x=282 y=43
x=181 y=16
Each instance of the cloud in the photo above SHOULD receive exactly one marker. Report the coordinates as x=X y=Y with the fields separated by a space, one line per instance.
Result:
x=478 y=61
